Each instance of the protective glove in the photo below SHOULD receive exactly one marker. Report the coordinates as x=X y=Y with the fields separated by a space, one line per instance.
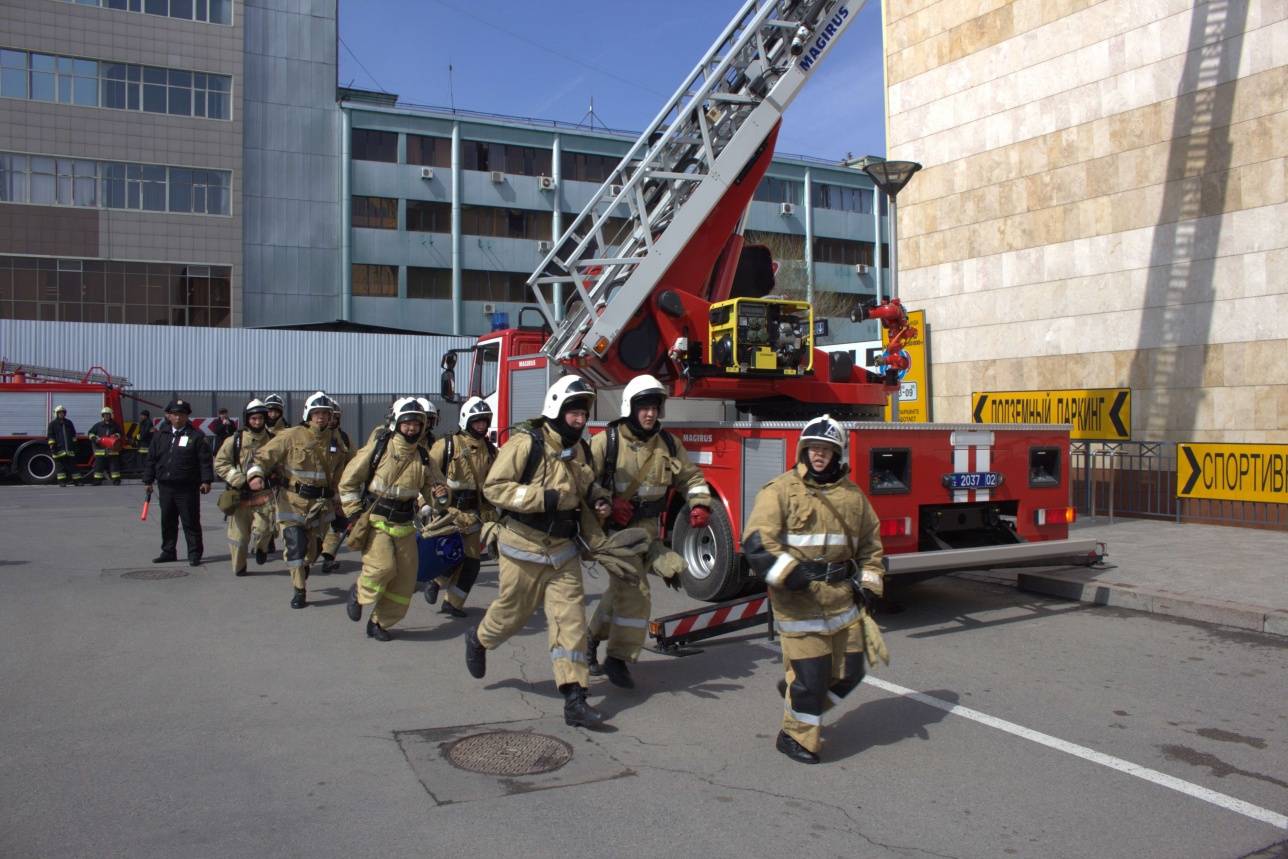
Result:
x=618 y=568
x=623 y=512
x=796 y=580
x=668 y=565
x=629 y=544
x=699 y=517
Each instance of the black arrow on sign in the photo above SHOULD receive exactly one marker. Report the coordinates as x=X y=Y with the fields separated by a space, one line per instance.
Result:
x=1114 y=415
x=979 y=408
x=1195 y=471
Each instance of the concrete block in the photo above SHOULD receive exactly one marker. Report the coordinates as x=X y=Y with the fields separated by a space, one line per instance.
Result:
x=1275 y=623
x=1226 y=614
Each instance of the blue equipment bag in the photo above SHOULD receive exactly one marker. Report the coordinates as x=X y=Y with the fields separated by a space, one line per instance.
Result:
x=438 y=556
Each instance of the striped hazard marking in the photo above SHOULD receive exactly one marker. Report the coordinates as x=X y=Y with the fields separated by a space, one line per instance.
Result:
x=679 y=627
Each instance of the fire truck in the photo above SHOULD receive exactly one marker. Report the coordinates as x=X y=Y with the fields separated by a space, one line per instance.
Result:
x=653 y=276
x=28 y=396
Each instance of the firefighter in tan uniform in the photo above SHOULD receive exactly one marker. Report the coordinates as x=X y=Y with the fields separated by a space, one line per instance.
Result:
x=247 y=526
x=275 y=423
x=545 y=502
x=815 y=538
x=465 y=457
x=340 y=524
x=648 y=462
x=309 y=460
x=379 y=490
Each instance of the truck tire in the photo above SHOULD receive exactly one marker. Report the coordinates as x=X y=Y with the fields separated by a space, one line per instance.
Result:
x=713 y=569
x=36 y=467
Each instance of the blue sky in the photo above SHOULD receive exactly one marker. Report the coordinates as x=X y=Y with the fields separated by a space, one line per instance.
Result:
x=549 y=59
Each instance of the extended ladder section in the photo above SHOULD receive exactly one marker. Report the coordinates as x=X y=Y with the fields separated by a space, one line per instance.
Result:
x=9 y=371
x=612 y=255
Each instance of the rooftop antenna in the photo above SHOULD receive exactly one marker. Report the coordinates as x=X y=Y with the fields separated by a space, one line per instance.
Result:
x=592 y=116
x=451 y=89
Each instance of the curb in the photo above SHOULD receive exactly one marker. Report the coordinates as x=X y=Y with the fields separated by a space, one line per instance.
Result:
x=1225 y=613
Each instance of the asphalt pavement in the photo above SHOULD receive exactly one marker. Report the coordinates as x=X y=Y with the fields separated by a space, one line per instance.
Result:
x=200 y=716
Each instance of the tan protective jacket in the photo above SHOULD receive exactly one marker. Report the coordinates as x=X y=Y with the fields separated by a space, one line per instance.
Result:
x=662 y=470
x=467 y=471
x=235 y=472
x=302 y=455
x=793 y=522
x=573 y=478
x=401 y=476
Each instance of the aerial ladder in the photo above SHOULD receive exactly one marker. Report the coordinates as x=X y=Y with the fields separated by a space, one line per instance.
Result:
x=653 y=276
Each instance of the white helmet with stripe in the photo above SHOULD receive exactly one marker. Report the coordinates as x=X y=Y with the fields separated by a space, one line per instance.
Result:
x=638 y=388
x=563 y=392
x=431 y=411
x=824 y=430
x=316 y=403
x=475 y=408
x=407 y=409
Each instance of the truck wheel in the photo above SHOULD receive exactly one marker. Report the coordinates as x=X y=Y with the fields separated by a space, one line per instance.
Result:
x=36 y=467
x=712 y=572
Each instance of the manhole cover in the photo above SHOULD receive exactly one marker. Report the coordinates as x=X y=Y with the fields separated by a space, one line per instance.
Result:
x=154 y=574
x=509 y=753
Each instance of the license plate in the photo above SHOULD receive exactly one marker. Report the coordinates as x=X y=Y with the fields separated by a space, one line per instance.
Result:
x=973 y=480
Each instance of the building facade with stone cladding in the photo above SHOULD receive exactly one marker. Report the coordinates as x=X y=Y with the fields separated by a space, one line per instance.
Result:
x=1104 y=203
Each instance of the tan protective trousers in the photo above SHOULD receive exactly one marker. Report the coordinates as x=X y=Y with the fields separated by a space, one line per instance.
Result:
x=621 y=617
x=247 y=527
x=822 y=668
x=307 y=553
x=454 y=590
x=388 y=576
x=331 y=543
x=527 y=585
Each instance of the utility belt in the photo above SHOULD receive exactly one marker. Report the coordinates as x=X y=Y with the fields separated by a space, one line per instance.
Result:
x=648 y=509
x=465 y=499
x=562 y=524
x=397 y=512
x=312 y=493
x=831 y=573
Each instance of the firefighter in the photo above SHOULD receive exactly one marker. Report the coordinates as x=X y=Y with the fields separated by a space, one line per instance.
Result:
x=340 y=524
x=815 y=538
x=309 y=459
x=246 y=525
x=379 y=490
x=275 y=424
x=143 y=430
x=61 y=435
x=179 y=462
x=276 y=420
x=107 y=457
x=541 y=484
x=464 y=458
x=648 y=464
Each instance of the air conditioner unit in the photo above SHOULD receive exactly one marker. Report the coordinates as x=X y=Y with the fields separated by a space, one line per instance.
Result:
x=427 y=172
x=489 y=308
x=498 y=177
x=543 y=247
x=862 y=268
x=786 y=208
x=546 y=183
x=615 y=190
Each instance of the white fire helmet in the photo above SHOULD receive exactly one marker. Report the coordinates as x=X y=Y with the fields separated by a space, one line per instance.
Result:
x=827 y=430
x=640 y=386
x=273 y=401
x=408 y=409
x=563 y=391
x=256 y=407
x=475 y=408
x=431 y=411
x=318 y=402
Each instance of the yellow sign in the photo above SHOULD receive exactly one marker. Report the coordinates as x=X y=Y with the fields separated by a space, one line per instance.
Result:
x=914 y=384
x=1233 y=472
x=1093 y=414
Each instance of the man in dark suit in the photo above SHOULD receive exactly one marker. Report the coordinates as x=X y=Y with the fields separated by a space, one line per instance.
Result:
x=180 y=462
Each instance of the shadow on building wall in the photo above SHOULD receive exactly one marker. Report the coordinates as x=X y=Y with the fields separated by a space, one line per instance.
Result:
x=1179 y=290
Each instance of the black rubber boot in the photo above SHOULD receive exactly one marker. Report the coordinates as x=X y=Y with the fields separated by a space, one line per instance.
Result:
x=475 y=655
x=352 y=607
x=261 y=557
x=165 y=558
x=782 y=688
x=272 y=546
x=794 y=750
x=378 y=632
x=592 y=658
x=300 y=600
x=431 y=592
x=241 y=572
x=329 y=563
x=116 y=481
x=452 y=610
x=194 y=560
x=577 y=711
x=617 y=673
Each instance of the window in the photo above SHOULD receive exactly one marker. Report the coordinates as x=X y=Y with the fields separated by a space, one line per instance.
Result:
x=508 y=158
x=13 y=178
x=889 y=471
x=842 y=251
x=423 y=217
x=842 y=199
x=375 y=280
x=371 y=145
x=208 y=11
x=380 y=213
x=113 y=185
x=583 y=167
x=78 y=290
x=772 y=190
x=429 y=282
x=120 y=86
x=505 y=223
x=429 y=151
x=476 y=285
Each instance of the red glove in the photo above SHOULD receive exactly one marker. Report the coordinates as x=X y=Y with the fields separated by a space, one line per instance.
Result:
x=623 y=512
x=699 y=517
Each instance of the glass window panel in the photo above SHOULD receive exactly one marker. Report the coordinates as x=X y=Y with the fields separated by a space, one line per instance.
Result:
x=181 y=9
x=153 y=188
x=375 y=280
x=65 y=89
x=42 y=86
x=221 y=11
x=200 y=11
x=132 y=96
x=95 y=289
x=136 y=314
x=180 y=78
x=180 y=101
x=43 y=62
x=180 y=190
x=69 y=312
x=93 y=312
x=369 y=145
x=84 y=183
x=156 y=7
x=85 y=91
x=115 y=4
x=154 y=99
x=13 y=178
x=115 y=314
x=114 y=94
x=13 y=59
x=48 y=312
x=42 y=181
x=13 y=83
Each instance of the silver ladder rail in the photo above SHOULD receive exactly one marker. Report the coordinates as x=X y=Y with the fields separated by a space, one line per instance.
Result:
x=678 y=170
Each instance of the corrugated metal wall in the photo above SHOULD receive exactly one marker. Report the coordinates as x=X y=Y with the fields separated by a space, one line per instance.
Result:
x=156 y=357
